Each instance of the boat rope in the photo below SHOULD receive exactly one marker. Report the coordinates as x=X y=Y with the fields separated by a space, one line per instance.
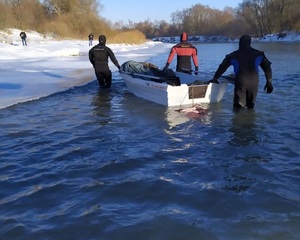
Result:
x=189 y=96
x=193 y=95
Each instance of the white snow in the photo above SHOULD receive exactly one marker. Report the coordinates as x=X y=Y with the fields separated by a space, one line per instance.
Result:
x=47 y=66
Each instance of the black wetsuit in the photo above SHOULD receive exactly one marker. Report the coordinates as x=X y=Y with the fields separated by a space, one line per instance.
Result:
x=91 y=38
x=23 y=37
x=246 y=62
x=98 y=56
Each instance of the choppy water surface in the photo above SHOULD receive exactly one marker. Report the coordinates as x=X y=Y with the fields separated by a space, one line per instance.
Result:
x=90 y=164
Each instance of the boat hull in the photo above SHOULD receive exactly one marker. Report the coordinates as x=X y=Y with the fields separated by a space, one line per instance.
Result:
x=167 y=95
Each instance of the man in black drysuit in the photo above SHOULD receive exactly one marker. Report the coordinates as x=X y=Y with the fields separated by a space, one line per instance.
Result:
x=91 y=38
x=245 y=62
x=23 y=37
x=98 y=56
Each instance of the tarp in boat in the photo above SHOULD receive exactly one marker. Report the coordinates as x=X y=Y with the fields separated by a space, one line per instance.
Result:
x=149 y=69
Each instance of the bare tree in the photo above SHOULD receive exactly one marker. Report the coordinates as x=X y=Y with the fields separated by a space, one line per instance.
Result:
x=270 y=16
x=287 y=14
x=252 y=12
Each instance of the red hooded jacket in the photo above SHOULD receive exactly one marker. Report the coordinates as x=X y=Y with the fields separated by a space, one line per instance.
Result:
x=185 y=51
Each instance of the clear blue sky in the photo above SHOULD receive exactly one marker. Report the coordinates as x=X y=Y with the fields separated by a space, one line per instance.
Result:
x=141 y=10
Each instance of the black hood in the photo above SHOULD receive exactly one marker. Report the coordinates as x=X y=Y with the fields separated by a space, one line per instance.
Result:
x=245 y=42
x=102 y=40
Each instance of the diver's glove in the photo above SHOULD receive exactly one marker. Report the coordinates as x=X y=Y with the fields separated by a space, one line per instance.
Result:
x=268 y=87
x=196 y=70
x=166 y=67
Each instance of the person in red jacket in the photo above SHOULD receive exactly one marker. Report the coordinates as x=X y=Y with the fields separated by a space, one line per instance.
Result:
x=185 y=51
x=98 y=56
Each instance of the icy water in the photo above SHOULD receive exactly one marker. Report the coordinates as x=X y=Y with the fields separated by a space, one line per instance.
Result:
x=90 y=164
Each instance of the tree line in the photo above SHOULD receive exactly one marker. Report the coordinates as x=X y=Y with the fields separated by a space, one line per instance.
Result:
x=77 y=18
x=255 y=17
x=63 y=19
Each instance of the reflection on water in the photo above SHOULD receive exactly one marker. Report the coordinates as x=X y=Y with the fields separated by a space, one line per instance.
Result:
x=237 y=182
x=179 y=115
x=102 y=106
x=101 y=101
x=120 y=167
x=248 y=137
x=244 y=128
x=174 y=117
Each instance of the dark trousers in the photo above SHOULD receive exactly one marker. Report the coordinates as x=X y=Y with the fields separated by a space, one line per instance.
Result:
x=24 y=41
x=104 y=78
x=245 y=96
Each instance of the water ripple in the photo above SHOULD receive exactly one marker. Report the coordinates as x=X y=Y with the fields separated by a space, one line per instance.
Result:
x=93 y=164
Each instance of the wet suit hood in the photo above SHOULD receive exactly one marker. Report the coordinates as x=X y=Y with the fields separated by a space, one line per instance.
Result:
x=245 y=42
x=183 y=37
x=102 y=40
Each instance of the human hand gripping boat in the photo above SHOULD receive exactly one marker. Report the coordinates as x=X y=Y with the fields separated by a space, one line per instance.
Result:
x=169 y=88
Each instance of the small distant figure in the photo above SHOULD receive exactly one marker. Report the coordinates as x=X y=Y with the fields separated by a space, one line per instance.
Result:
x=91 y=38
x=246 y=62
x=23 y=37
x=98 y=56
x=185 y=51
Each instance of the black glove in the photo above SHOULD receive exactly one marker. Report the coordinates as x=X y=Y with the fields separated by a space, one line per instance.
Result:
x=196 y=70
x=166 y=67
x=268 y=87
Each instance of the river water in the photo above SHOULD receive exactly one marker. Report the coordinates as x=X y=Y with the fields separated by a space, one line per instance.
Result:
x=94 y=164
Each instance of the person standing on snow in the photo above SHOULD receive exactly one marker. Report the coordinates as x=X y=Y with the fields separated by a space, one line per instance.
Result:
x=91 y=38
x=98 y=56
x=23 y=37
x=185 y=51
x=246 y=62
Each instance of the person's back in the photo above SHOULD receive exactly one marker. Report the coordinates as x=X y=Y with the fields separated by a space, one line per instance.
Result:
x=246 y=62
x=23 y=37
x=185 y=52
x=98 y=56
x=91 y=38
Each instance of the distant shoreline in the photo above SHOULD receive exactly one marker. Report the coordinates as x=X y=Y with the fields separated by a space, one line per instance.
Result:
x=285 y=37
x=11 y=36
